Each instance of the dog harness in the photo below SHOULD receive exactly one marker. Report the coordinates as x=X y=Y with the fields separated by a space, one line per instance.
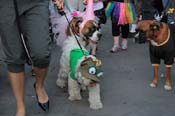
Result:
x=75 y=55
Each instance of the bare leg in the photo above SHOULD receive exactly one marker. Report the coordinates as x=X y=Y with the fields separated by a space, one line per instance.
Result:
x=167 y=85
x=116 y=46
x=116 y=40
x=40 y=91
x=124 y=44
x=17 y=83
x=155 y=80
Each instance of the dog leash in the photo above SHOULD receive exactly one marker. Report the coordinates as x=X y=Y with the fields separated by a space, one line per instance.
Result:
x=63 y=13
x=29 y=61
x=73 y=32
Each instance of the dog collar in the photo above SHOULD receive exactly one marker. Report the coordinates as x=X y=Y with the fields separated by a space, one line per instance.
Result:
x=92 y=41
x=165 y=40
x=86 y=40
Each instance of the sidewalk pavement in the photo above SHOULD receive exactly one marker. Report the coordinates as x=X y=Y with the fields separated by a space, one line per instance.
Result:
x=125 y=87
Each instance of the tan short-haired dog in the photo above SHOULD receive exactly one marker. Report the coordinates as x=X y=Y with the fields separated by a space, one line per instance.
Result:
x=161 y=47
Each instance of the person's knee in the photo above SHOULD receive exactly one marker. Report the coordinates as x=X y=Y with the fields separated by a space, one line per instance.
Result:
x=41 y=60
x=15 y=68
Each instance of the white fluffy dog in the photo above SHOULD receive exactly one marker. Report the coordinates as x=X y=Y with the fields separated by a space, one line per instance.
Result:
x=78 y=69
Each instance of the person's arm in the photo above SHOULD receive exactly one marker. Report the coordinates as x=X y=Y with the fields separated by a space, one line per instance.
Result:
x=60 y=4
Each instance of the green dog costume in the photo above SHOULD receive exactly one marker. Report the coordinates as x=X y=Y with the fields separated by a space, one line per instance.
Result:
x=90 y=67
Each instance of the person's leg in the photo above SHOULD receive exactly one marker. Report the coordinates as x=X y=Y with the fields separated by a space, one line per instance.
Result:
x=115 y=42
x=167 y=4
x=171 y=19
x=80 y=5
x=15 y=57
x=74 y=5
x=125 y=32
x=40 y=91
x=132 y=30
x=115 y=33
x=35 y=25
x=17 y=83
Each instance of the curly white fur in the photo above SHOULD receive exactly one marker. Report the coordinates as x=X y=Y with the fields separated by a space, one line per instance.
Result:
x=74 y=86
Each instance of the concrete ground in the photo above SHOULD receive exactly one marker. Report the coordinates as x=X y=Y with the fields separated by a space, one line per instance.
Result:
x=125 y=87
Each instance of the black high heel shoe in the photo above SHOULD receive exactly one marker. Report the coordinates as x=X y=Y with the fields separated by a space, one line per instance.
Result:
x=43 y=106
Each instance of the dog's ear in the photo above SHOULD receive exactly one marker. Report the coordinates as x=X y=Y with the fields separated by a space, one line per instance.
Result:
x=74 y=25
x=89 y=28
x=79 y=21
x=68 y=32
x=68 y=29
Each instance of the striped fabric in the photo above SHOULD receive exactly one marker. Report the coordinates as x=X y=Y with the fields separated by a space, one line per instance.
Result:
x=121 y=12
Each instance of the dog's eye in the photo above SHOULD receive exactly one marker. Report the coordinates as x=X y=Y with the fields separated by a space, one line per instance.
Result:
x=92 y=70
x=92 y=30
x=78 y=23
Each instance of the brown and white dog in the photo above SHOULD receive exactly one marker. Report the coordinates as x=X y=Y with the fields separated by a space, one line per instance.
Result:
x=89 y=32
x=161 y=47
x=75 y=58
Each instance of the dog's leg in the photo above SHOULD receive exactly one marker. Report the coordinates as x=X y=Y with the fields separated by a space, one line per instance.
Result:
x=62 y=76
x=155 y=80
x=167 y=85
x=83 y=87
x=74 y=90
x=94 y=97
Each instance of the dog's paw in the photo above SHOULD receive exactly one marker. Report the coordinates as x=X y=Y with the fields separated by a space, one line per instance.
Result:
x=61 y=83
x=167 y=87
x=153 y=85
x=96 y=105
x=73 y=98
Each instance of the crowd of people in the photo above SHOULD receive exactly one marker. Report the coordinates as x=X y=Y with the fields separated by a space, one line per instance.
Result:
x=28 y=20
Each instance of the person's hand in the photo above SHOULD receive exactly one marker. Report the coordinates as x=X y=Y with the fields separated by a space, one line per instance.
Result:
x=60 y=4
